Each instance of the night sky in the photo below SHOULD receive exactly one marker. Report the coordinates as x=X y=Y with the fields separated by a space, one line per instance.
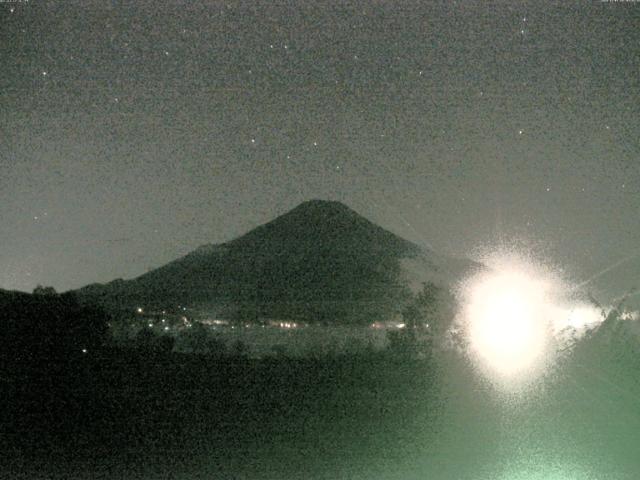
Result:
x=133 y=132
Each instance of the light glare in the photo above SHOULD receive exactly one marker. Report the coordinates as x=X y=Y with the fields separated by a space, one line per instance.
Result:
x=516 y=314
x=506 y=322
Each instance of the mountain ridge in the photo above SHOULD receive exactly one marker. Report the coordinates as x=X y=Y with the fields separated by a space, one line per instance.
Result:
x=321 y=260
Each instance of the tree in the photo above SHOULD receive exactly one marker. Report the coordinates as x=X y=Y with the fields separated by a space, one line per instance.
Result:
x=150 y=342
x=423 y=308
x=145 y=339
x=198 y=339
x=39 y=327
x=44 y=291
x=239 y=348
x=419 y=315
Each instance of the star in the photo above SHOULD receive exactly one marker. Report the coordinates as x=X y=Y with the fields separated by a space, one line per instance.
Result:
x=44 y=73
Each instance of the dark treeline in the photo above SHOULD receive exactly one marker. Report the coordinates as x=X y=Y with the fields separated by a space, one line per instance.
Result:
x=72 y=397
x=40 y=327
x=75 y=405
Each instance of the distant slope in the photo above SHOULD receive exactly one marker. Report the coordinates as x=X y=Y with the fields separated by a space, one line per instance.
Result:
x=320 y=261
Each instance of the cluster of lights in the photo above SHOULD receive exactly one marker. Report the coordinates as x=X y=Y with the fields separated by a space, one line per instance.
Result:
x=383 y=326
x=215 y=322
x=288 y=325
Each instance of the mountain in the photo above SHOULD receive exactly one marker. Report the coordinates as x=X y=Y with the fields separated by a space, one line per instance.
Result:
x=320 y=261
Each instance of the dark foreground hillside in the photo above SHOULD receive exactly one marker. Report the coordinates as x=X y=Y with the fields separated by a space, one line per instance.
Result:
x=71 y=408
x=123 y=415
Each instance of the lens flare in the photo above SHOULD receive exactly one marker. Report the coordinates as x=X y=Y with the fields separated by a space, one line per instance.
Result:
x=506 y=316
x=516 y=313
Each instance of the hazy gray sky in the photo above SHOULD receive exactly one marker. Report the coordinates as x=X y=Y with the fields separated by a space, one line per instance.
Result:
x=132 y=132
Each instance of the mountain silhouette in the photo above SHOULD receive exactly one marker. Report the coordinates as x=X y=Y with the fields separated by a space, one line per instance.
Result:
x=319 y=261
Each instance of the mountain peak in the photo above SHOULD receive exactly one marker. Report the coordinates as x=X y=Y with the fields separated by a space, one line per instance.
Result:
x=322 y=208
x=315 y=204
x=321 y=260
x=321 y=224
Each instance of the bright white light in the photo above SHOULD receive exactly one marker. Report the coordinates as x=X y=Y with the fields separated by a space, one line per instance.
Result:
x=506 y=320
x=578 y=318
x=515 y=314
